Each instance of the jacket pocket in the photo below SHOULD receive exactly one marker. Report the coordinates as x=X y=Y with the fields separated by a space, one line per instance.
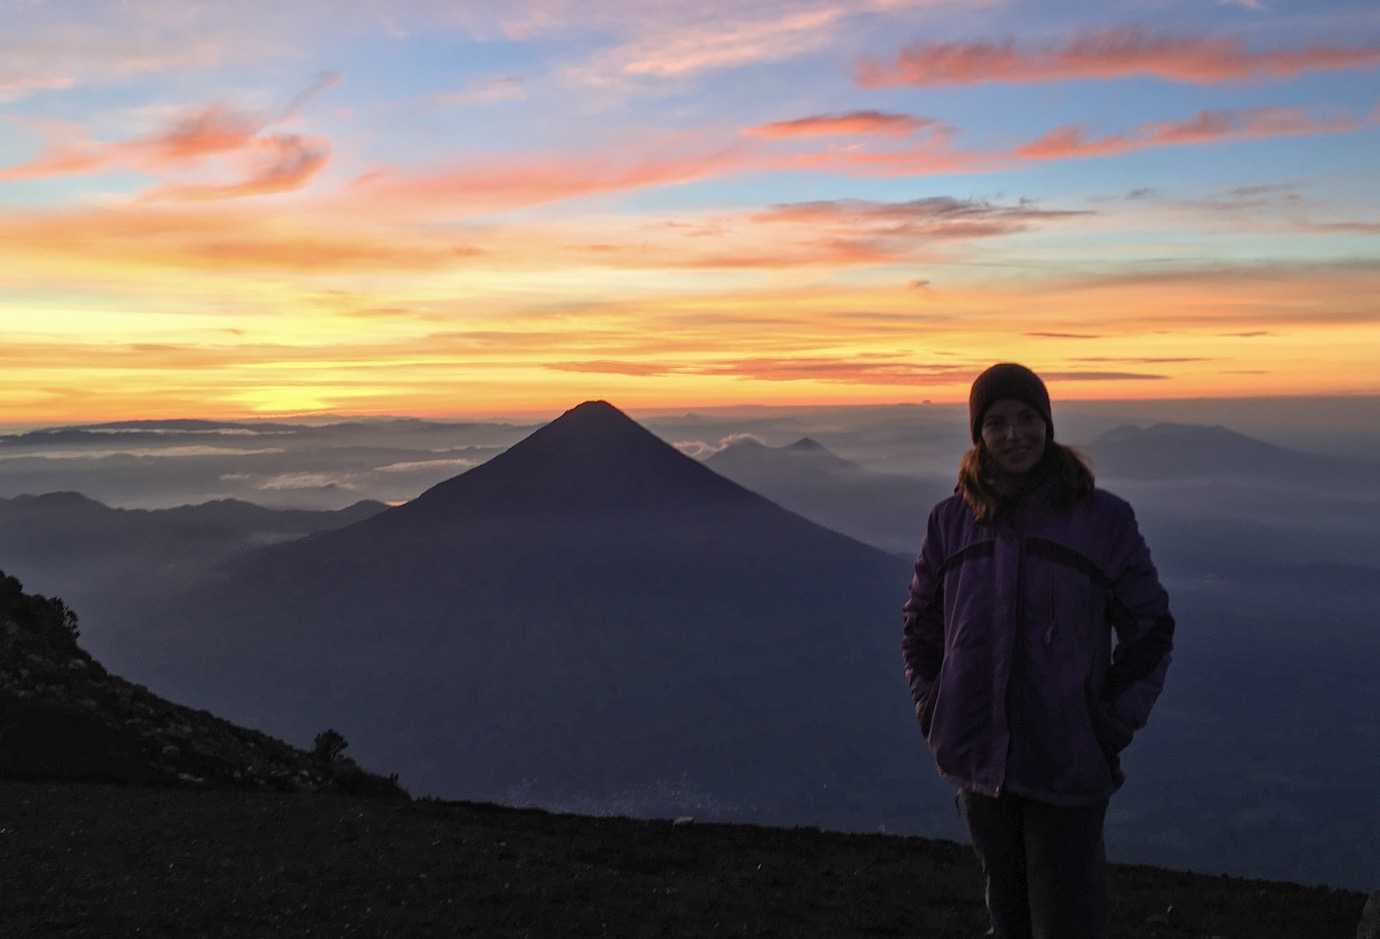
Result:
x=1112 y=735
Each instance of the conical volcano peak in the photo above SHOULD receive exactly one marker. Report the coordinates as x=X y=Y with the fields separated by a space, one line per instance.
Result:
x=591 y=426
x=592 y=457
x=593 y=406
x=594 y=414
x=807 y=444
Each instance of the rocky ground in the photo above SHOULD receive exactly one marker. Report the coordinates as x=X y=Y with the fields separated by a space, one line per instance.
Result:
x=99 y=860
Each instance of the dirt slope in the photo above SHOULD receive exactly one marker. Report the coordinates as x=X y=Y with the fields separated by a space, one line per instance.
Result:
x=96 y=860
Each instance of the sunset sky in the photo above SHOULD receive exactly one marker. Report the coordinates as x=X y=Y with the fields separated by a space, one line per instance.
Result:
x=356 y=206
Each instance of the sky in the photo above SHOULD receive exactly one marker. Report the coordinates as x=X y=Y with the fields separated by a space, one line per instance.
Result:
x=448 y=209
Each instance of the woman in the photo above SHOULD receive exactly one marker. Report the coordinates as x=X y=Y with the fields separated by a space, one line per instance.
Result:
x=1023 y=575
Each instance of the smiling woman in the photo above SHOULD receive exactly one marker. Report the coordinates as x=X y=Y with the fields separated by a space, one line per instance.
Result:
x=1014 y=434
x=1007 y=641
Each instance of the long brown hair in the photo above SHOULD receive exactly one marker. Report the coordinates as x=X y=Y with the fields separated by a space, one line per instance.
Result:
x=1070 y=469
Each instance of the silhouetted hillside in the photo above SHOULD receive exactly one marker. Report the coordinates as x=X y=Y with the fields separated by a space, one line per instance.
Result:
x=63 y=716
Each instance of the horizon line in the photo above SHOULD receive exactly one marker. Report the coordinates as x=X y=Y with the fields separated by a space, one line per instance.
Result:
x=550 y=413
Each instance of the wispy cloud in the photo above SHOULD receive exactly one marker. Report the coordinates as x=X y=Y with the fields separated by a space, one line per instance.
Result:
x=291 y=481
x=935 y=217
x=282 y=163
x=139 y=237
x=613 y=367
x=14 y=87
x=1111 y=53
x=700 y=450
x=1341 y=228
x=852 y=123
x=324 y=82
x=734 y=41
x=1075 y=375
x=1140 y=359
x=486 y=91
x=497 y=184
x=413 y=466
x=208 y=131
x=47 y=47
x=272 y=163
x=869 y=369
x=1204 y=127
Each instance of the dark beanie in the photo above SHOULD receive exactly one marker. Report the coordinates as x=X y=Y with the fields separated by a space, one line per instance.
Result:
x=1007 y=380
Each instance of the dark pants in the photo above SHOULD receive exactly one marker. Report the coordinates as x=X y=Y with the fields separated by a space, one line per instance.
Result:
x=1045 y=866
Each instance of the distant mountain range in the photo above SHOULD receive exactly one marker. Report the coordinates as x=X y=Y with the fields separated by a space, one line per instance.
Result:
x=884 y=509
x=401 y=432
x=807 y=455
x=1178 y=451
x=590 y=615
x=96 y=556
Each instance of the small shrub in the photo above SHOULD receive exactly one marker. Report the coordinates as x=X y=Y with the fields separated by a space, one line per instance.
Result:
x=66 y=617
x=47 y=617
x=328 y=746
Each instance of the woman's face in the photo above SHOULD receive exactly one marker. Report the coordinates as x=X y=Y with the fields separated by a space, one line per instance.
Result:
x=1014 y=434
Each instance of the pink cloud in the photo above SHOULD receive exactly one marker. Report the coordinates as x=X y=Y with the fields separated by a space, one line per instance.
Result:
x=933 y=156
x=1112 y=53
x=211 y=130
x=137 y=238
x=496 y=184
x=1203 y=127
x=852 y=123
x=208 y=131
x=277 y=163
x=285 y=162
x=706 y=43
x=14 y=87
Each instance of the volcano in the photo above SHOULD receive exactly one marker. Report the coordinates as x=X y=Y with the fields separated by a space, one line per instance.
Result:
x=589 y=620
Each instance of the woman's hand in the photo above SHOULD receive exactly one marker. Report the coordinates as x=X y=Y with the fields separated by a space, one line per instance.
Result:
x=922 y=715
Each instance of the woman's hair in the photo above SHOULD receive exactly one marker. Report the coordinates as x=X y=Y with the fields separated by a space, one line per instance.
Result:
x=1072 y=474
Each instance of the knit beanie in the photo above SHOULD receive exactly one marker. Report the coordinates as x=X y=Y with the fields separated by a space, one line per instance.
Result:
x=1007 y=380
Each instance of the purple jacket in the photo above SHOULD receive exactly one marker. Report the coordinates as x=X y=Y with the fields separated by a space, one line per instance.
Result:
x=1007 y=643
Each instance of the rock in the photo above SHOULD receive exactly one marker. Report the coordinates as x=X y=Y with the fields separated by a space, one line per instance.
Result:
x=1170 y=917
x=1369 y=927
